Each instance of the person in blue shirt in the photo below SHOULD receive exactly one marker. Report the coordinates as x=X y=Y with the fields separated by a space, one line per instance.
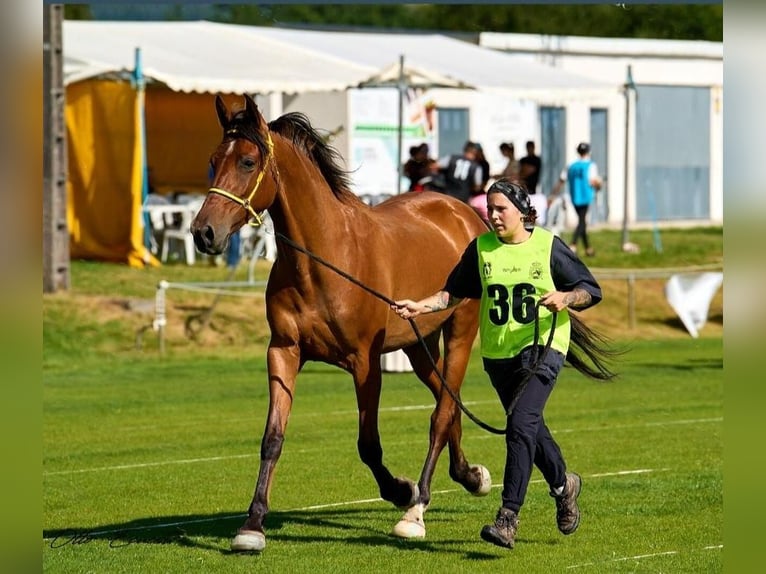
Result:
x=584 y=181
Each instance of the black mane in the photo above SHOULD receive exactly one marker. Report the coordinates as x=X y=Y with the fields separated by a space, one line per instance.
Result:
x=297 y=127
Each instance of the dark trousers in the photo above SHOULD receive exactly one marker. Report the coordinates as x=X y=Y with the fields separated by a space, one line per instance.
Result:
x=580 y=231
x=233 y=253
x=528 y=440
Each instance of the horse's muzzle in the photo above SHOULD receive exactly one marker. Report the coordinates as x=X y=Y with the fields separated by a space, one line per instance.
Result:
x=206 y=241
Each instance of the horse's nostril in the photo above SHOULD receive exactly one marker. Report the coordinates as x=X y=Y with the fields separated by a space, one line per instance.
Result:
x=208 y=234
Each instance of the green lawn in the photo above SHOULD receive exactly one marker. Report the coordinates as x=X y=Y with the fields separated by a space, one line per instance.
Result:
x=149 y=461
x=152 y=462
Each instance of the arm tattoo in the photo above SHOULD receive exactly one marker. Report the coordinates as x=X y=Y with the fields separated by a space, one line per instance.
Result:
x=577 y=298
x=443 y=301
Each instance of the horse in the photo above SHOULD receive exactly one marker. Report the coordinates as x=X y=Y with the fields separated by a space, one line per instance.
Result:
x=316 y=314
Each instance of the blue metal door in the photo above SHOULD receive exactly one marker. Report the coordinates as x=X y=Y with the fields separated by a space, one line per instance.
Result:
x=552 y=148
x=672 y=153
x=599 y=146
x=453 y=130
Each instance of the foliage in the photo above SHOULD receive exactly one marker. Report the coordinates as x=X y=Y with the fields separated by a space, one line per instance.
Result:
x=692 y=22
x=683 y=22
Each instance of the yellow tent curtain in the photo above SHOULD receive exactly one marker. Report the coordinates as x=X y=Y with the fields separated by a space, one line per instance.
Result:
x=105 y=173
x=105 y=186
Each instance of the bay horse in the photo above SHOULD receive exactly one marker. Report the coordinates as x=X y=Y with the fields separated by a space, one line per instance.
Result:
x=405 y=246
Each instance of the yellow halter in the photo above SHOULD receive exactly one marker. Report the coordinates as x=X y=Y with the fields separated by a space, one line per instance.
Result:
x=246 y=202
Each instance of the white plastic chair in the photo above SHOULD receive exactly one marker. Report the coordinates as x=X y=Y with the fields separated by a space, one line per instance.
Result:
x=180 y=232
x=156 y=221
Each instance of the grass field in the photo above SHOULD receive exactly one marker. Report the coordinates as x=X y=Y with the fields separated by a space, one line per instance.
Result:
x=149 y=462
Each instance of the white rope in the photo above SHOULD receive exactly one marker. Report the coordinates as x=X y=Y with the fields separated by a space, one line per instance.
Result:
x=211 y=288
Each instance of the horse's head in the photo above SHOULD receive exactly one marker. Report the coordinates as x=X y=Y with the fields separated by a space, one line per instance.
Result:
x=243 y=184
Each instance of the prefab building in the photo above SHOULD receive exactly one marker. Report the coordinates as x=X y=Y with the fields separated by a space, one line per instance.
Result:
x=672 y=107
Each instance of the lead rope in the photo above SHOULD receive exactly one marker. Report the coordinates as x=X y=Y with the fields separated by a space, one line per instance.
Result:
x=519 y=389
x=246 y=204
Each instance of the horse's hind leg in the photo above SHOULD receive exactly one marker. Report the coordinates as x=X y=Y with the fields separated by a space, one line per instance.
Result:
x=283 y=364
x=445 y=420
x=402 y=492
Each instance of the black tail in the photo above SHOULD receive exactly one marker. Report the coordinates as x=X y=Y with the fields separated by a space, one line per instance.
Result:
x=585 y=342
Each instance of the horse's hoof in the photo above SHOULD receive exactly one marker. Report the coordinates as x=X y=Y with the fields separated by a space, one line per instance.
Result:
x=485 y=480
x=408 y=529
x=248 y=541
x=411 y=525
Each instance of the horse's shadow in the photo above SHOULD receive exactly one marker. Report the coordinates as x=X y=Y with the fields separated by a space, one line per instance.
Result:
x=214 y=531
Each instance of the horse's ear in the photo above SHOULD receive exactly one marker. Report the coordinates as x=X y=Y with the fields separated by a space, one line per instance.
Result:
x=252 y=109
x=223 y=113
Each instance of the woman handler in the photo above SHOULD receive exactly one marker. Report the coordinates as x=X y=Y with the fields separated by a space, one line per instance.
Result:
x=527 y=279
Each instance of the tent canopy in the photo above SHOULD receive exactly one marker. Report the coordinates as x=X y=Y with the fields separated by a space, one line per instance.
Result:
x=203 y=57
x=464 y=62
x=211 y=57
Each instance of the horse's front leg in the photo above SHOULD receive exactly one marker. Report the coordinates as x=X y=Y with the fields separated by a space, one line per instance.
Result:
x=402 y=492
x=283 y=365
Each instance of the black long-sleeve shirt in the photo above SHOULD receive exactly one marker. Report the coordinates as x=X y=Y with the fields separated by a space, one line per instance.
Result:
x=567 y=271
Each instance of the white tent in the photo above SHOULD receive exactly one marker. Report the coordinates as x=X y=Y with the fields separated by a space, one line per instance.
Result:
x=204 y=57
x=466 y=63
x=210 y=57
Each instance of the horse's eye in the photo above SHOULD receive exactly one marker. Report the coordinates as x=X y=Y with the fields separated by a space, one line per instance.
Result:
x=247 y=163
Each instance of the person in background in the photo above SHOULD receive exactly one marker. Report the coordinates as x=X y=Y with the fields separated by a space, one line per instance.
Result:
x=481 y=159
x=417 y=167
x=527 y=281
x=529 y=168
x=512 y=168
x=478 y=199
x=463 y=175
x=584 y=182
x=433 y=180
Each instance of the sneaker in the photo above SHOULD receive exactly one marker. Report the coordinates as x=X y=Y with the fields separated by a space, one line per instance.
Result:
x=503 y=531
x=573 y=247
x=567 y=511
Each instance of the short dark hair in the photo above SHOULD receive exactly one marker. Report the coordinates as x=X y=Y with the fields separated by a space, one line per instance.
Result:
x=583 y=148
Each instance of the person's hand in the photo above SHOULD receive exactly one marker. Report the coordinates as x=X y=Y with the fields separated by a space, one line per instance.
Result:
x=554 y=301
x=406 y=308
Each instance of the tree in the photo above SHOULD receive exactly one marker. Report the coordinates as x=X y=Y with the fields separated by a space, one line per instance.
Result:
x=661 y=21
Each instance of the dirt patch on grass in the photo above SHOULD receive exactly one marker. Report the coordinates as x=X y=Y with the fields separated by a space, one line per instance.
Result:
x=237 y=325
